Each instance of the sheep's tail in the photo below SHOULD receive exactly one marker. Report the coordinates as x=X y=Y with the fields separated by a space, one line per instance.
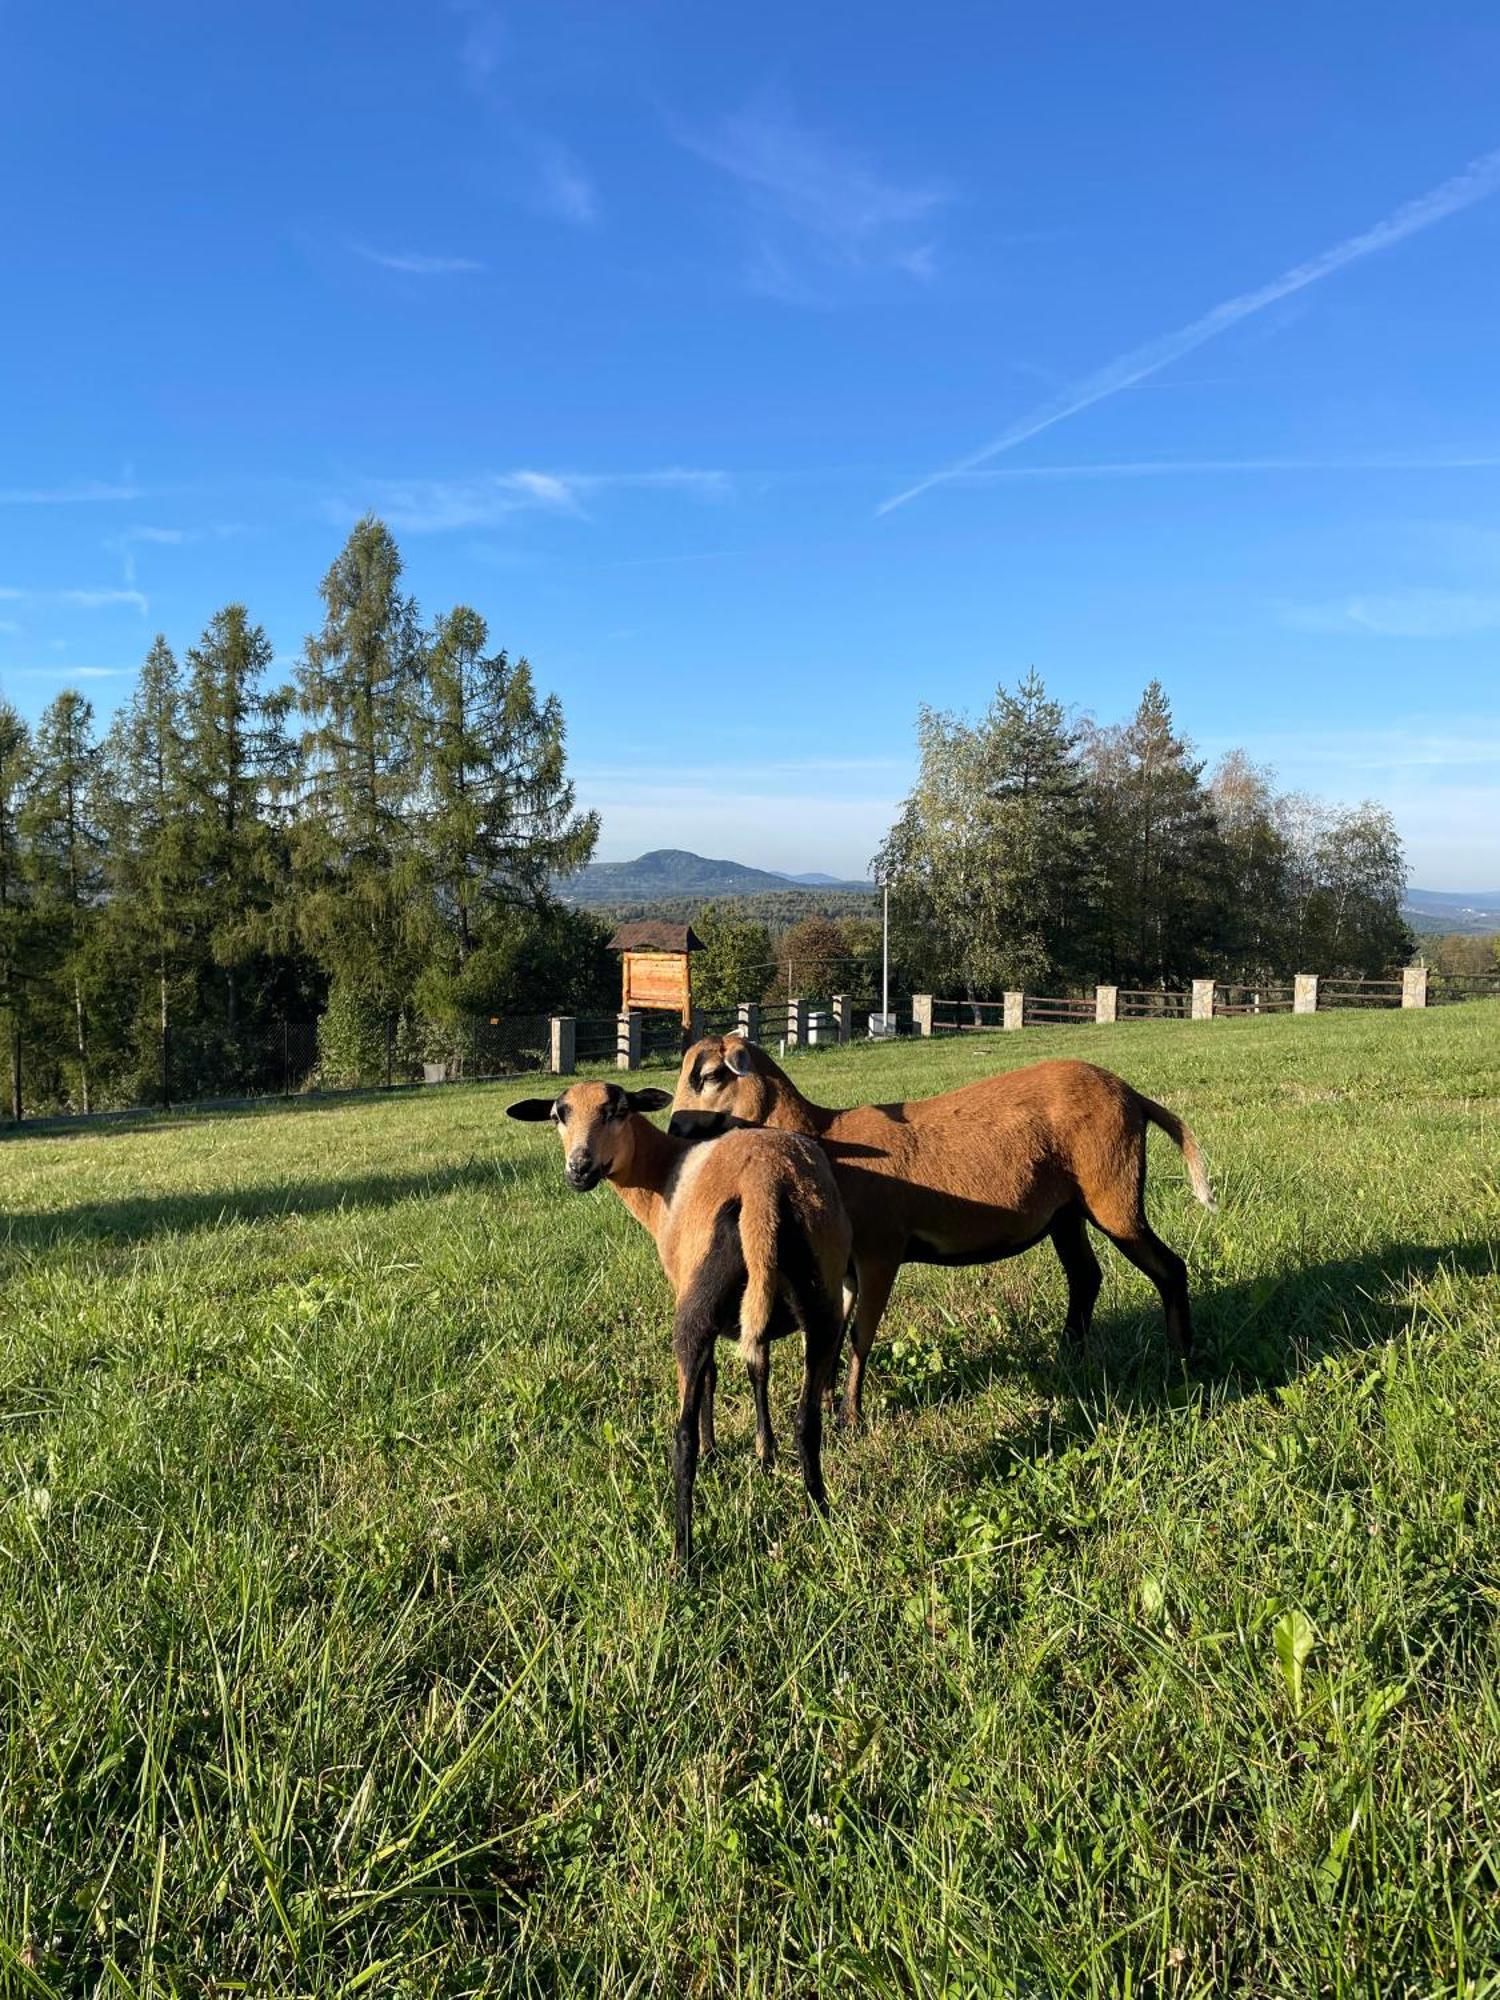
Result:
x=1192 y=1153
x=760 y=1214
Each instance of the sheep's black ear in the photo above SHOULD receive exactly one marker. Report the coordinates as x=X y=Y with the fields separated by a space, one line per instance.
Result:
x=738 y=1061
x=531 y=1110
x=650 y=1099
x=700 y=1124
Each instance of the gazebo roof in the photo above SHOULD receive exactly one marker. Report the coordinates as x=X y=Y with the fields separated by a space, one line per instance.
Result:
x=653 y=936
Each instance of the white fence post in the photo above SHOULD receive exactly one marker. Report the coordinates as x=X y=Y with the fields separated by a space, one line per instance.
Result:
x=921 y=1013
x=1414 y=986
x=1015 y=1010
x=1203 y=999
x=1305 y=993
x=796 y=1023
x=628 y=1041
x=1106 y=1003
x=564 y=1044
x=843 y=1016
x=747 y=1020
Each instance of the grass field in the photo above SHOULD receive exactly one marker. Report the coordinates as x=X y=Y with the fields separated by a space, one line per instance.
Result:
x=340 y=1651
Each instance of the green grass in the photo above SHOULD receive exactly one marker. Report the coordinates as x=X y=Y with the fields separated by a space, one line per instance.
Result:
x=340 y=1651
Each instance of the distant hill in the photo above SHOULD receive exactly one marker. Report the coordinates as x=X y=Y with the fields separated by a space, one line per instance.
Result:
x=1476 y=911
x=674 y=874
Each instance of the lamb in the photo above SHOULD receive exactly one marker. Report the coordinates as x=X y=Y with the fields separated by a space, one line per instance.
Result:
x=969 y=1177
x=753 y=1239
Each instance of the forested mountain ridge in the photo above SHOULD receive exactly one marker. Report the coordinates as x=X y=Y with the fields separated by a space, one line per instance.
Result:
x=675 y=873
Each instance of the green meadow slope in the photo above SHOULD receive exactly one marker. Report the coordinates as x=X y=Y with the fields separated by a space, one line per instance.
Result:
x=340 y=1651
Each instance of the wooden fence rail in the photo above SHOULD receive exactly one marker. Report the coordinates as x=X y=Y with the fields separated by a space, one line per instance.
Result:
x=632 y=1039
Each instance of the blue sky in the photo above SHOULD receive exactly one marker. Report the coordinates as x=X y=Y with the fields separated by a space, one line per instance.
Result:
x=1169 y=332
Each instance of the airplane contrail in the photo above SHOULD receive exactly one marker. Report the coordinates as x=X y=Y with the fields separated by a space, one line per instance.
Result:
x=1480 y=178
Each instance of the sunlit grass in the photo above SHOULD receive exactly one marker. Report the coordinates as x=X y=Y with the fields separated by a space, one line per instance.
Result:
x=340 y=1649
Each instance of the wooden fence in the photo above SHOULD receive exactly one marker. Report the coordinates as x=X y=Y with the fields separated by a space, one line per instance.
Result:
x=636 y=1039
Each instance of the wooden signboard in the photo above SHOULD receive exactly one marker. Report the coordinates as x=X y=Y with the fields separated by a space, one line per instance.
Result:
x=658 y=979
x=655 y=967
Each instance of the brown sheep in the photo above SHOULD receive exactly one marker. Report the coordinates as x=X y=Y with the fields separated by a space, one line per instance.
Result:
x=971 y=1176
x=754 y=1242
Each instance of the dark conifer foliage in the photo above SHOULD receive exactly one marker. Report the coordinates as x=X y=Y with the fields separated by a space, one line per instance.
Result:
x=371 y=847
x=374 y=848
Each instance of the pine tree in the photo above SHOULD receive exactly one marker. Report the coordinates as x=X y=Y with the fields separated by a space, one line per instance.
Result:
x=354 y=855
x=238 y=762
x=500 y=818
x=1162 y=860
x=15 y=938
x=63 y=849
x=149 y=868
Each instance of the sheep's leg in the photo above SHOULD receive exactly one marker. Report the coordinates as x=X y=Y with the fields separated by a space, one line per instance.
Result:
x=1070 y=1239
x=821 y=1327
x=707 y=1444
x=1123 y=1221
x=692 y=1342
x=759 y=1370
x=875 y=1282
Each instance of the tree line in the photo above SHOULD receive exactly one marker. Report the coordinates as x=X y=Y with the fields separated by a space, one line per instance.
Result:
x=372 y=844
x=1038 y=851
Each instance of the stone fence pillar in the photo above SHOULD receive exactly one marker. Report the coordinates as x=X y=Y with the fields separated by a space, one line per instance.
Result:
x=1203 y=999
x=1414 y=986
x=796 y=1024
x=747 y=1020
x=843 y=1016
x=1305 y=993
x=628 y=1042
x=564 y=1044
x=1015 y=1010
x=921 y=1013
x=1106 y=1003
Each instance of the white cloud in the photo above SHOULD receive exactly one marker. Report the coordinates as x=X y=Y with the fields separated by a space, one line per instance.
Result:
x=1478 y=180
x=62 y=673
x=1148 y=468
x=89 y=600
x=413 y=264
x=435 y=506
x=1402 y=614
x=817 y=207
x=563 y=187
x=88 y=493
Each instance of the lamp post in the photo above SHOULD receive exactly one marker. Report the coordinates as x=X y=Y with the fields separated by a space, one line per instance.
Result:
x=885 y=961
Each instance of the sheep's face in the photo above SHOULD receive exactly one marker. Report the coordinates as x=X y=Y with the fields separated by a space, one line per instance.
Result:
x=714 y=1086
x=596 y=1124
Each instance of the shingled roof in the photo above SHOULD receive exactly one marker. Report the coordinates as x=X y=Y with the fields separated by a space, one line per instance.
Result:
x=652 y=936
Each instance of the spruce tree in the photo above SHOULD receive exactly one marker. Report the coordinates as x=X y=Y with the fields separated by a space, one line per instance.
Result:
x=1163 y=863
x=238 y=763
x=500 y=818
x=15 y=938
x=354 y=856
x=63 y=854
x=152 y=891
